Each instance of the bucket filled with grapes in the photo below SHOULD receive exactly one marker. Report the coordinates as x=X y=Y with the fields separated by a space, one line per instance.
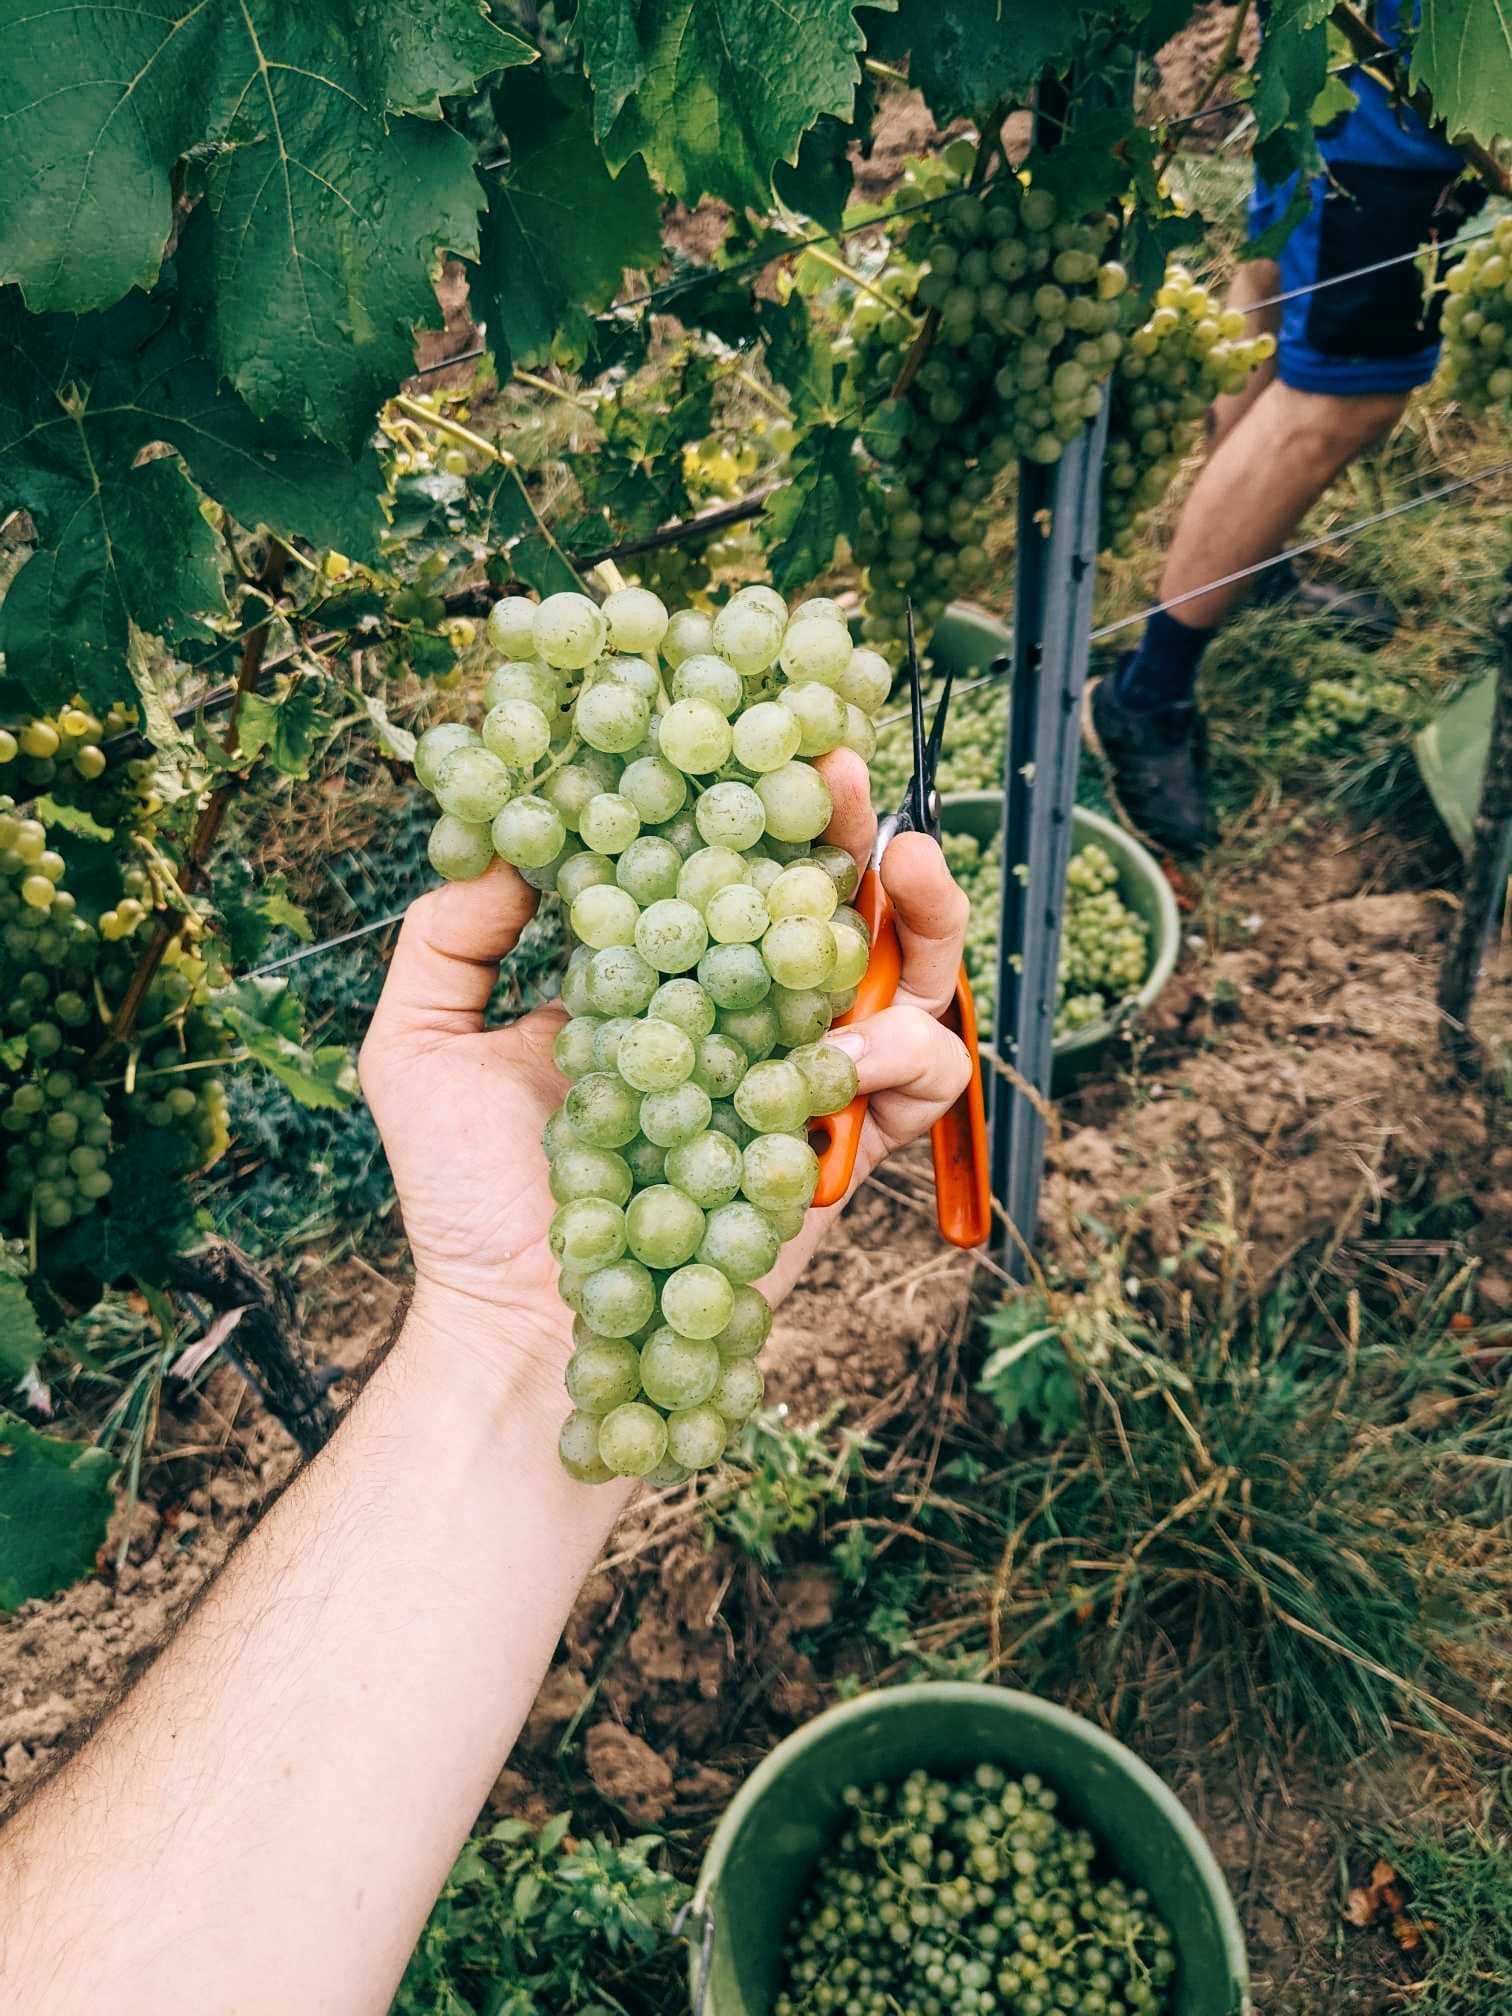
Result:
x=950 y=1849
x=655 y=771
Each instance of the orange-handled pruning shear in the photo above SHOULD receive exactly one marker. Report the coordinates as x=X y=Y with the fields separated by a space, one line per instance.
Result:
x=963 y=1199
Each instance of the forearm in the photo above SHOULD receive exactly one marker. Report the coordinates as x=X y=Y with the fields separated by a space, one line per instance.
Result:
x=278 y=1802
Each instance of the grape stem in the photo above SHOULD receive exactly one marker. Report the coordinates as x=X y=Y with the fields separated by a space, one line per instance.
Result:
x=208 y=825
x=859 y=280
x=568 y=750
x=987 y=146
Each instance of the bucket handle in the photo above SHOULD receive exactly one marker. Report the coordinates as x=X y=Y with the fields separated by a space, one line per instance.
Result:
x=703 y=1911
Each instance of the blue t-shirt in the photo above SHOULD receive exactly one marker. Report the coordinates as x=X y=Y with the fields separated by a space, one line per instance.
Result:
x=1375 y=130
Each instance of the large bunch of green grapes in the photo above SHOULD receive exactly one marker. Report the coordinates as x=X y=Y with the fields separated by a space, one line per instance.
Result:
x=1477 y=360
x=970 y=1898
x=1028 y=328
x=1105 y=946
x=656 y=773
x=64 y=1106
x=1174 y=365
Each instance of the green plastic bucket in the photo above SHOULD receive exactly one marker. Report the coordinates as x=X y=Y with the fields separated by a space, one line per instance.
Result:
x=789 y=1809
x=1140 y=884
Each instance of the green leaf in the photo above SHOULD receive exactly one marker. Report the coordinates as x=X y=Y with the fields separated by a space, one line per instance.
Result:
x=1290 y=72
x=268 y=1018
x=20 y=1335
x=799 y=358
x=1463 y=53
x=328 y=208
x=392 y=740
x=967 y=55
x=537 y=562
x=55 y=1500
x=560 y=230
x=286 y=726
x=820 y=503
x=123 y=540
x=1095 y=163
x=252 y=907
x=819 y=183
x=714 y=93
x=73 y=819
x=149 y=1218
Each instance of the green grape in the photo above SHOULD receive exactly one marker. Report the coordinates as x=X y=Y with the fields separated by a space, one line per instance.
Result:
x=605 y=915
x=676 y=1115
x=706 y=1168
x=829 y=1076
x=738 y=1391
x=737 y=914
x=730 y=815
x=435 y=745
x=803 y=890
x=523 y=679
x=695 y=736
x=583 y=871
x=529 y=832
x=696 y=1301
x=803 y=1015
x=866 y=681
x=799 y=951
x=767 y=737
x=648 y=869
x=602 y=1110
x=740 y=1240
x=632 y=1439
x=672 y=936
x=748 y=634
x=580 y=1171
x=820 y=714
x=754 y=1029
x=696 y=1437
x=709 y=678
x=706 y=871
x=684 y=1004
x=815 y=648
x=608 y=823
x=655 y=788
x=568 y=631
x=719 y=1063
x=772 y=1097
x=797 y=801
x=779 y=1170
x=612 y=719
x=688 y=633
x=852 y=957
x=458 y=851
x=620 y=981
x=664 y=1229
x=749 y=1326
x=646 y=1160
x=572 y=1052
x=735 y=976
x=473 y=785
x=635 y=618
x=511 y=626
x=617 y=1300
x=604 y=1373
x=763 y=597
x=607 y=1039
x=589 y=1232
x=654 y=1056
x=637 y=673
x=517 y=732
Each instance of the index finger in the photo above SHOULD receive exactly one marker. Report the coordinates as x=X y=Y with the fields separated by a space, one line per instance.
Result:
x=446 y=963
x=931 y=913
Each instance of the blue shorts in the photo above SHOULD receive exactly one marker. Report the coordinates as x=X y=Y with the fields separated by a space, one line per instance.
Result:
x=1376 y=333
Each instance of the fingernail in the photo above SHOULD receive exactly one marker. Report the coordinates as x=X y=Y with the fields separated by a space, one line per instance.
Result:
x=851 y=1041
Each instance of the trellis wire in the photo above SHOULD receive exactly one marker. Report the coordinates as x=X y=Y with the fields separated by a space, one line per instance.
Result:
x=1338 y=536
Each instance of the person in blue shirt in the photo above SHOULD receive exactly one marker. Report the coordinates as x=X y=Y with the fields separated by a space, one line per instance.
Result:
x=1349 y=352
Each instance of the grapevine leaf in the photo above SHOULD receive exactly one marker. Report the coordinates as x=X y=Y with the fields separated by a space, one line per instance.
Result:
x=73 y=819
x=328 y=206
x=84 y=400
x=268 y=1018
x=820 y=502
x=393 y=740
x=819 y=183
x=714 y=93
x=537 y=562
x=560 y=230
x=1290 y=72
x=799 y=358
x=148 y=1219
x=252 y=907
x=1463 y=53
x=20 y=1334
x=1094 y=164
x=968 y=55
x=286 y=726
x=55 y=1500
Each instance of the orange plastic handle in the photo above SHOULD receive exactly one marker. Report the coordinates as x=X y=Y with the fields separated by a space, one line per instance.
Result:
x=963 y=1199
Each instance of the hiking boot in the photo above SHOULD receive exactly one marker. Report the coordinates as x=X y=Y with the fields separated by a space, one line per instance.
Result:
x=1370 y=617
x=1156 y=766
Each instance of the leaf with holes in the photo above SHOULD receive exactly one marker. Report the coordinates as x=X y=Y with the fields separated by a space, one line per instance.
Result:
x=714 y=93
x=286 y=726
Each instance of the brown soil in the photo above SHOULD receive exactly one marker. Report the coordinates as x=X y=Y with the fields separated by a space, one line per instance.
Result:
x=1185 y=70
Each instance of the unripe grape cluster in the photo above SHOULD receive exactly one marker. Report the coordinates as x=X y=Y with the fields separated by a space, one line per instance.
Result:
x=1105 y=946
x=656 y=773
x=62 y=1111
x=1028 y=329
x=62 y=749
x=1477 y=360
x=1174 y=364
x=970 y=1898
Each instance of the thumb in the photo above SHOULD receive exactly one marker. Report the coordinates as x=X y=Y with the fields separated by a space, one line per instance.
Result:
x=447 y=960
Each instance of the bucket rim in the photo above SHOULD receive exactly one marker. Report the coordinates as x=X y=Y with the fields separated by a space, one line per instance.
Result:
x=1033 y=1707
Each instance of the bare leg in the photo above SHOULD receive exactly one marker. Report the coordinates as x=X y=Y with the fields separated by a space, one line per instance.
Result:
x=1265 y=473
x=1257 y=281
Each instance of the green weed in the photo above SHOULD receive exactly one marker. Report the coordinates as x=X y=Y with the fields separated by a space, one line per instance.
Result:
x=1457 y=1927
x=788 y=1475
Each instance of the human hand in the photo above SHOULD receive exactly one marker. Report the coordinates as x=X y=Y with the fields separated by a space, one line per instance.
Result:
x=461 y=1108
